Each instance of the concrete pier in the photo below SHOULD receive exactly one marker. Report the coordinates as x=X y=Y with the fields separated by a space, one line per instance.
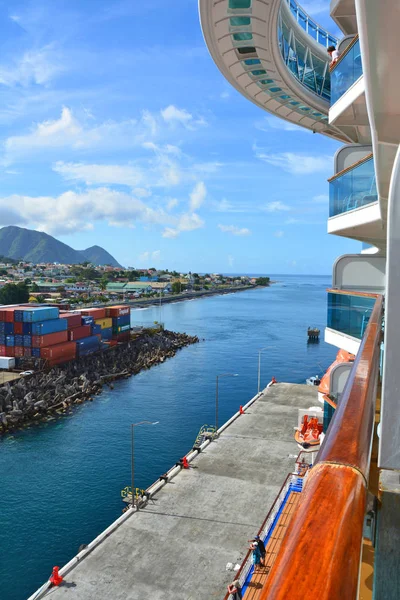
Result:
x=178 y=546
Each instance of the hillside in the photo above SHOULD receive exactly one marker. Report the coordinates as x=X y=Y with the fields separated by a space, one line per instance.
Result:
x=35 y=246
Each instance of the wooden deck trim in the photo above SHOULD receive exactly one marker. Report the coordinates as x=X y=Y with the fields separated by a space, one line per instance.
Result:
x=352 y=293
x=351 y=167
x=321 y=557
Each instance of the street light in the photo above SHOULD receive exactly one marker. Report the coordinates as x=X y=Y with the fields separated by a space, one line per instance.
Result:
x=216 y=395
x=133 y=425
x=259 y=364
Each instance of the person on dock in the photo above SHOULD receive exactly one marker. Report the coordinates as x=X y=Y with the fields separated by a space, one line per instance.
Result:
x=235 y=589
x=261 y=546
x=255 y=555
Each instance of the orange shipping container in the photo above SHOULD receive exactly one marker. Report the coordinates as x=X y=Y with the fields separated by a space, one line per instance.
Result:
x=96 y=313
x=18 y=329
x=118 y=311
x=65 y=350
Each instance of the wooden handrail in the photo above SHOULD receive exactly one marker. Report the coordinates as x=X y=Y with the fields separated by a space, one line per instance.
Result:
x=352 y=293
x=320 y=555
x=344 y=53
x=351 y=167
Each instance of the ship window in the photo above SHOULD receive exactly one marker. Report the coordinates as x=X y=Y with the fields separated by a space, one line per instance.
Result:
x=240 y=37
x=239 y=21
x=252 y=61
x=275 y=89
x=284 y=97
x=266 y=81
x=247 y=50
x=239 y=3
x=294 y=103
x=258 y=72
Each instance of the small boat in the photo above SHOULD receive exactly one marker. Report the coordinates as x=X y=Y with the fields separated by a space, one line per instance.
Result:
x=314 y=380
x=313 y=333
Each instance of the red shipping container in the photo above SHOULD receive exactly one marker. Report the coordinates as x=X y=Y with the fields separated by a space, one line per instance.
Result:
x=41 y=341
x=118 y=311
x=18 y=329
x=73 y=318
x=96 y=313
x=9 y=315
x=10 y=351
x=122 y=337
x=27 y=352
x=79 y=332
x=65 y=350
x=18 y=351
x=3 y=350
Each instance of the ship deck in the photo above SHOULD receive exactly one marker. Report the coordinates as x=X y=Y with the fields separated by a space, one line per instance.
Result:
x=178 y=546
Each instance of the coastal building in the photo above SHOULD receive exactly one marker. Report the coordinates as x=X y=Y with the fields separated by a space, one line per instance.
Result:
x=275 y=54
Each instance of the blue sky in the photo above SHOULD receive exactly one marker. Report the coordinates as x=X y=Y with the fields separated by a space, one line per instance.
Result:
x=117 y=129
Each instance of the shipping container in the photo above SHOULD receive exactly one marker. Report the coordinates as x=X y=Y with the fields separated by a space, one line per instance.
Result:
x=104 y=323
x=122 y=337
x=51 y=326
x=121 y=329
x=106 y=334
x=79 y=332
x=7 y=362
x=27 y=328
x=2 y=339
x=73 y=318
x=35 y=352
x=3 y=350
x=6 y=328
x=124 y=320
x=87 y=345
x=18 y=315
x=96 y=329
x=85 y=320
x=66 y=350
x=18 y=351
x=42 y=313
x=96 y=313
x=18 y=328
x=8 y=315
x=27 y=341
x=40 y=341
x=10 y=350
x=18 y=340
x=27 y=352
x=10 y=341
x=118 y=311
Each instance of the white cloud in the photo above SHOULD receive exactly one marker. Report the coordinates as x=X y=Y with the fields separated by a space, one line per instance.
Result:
x=34 y=67
x=225 y=206
x=276 y=206
x=268 y=123
x=320 y=199
x=231 y=260
x=279 y=234
x=185 y=222
x=101 y=174
x=144 y=257
x=173 y=115
x=297 y=164
x=314 y=7
x=197 y=196
x=156 y=254
x=172 y=203
x=77 y=211
x=141 y=192
x=234 y=230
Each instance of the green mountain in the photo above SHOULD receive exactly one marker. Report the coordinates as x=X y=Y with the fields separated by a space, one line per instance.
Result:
x=36 y=246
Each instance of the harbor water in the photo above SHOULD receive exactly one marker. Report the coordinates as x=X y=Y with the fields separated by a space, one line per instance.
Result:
x=60 y=482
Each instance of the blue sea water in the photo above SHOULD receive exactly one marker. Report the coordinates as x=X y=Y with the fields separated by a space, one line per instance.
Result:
x=60 y=482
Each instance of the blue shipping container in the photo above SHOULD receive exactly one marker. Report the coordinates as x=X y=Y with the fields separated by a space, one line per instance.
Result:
x=87 y=345
x=18 y=315
x=2 y=339
x=10 y=340
x=42 y=313
x=96 y=328
x=27 y=341
x=6 y=328
x=124 y=320
x=51 y=326
x=106 y=334
x=86 y=320
x=27 y=328
x=36 y=352
x=19 y=340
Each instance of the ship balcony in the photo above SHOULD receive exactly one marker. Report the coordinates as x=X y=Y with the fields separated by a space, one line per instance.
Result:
x=348 y=316
x=348 y=109
x=360 y=273
x=354 y=209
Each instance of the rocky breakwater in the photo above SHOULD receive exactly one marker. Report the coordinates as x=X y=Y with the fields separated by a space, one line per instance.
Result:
x=49 y=393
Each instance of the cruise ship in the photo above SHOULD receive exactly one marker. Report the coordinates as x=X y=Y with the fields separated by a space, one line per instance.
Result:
x=344 y=537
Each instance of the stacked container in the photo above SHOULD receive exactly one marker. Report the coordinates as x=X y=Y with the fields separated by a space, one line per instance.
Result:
x=121 y=322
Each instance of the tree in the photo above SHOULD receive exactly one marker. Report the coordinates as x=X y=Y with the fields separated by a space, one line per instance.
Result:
x=14 y=293
x=262 y=281
x=176 y=287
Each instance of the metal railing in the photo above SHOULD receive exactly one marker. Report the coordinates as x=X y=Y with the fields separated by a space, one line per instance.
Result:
x=327 y=526
x=318 y=33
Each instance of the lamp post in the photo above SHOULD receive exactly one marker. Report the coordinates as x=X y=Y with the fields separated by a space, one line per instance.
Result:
x=216 y=395
x=133 y=425
x=259 y=364
x=159 y=319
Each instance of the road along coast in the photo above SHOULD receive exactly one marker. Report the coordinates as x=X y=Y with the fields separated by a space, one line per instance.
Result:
x=48 y=394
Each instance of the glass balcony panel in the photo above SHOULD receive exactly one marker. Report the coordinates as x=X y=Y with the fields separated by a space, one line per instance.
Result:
x=349 y=314
x=346 y=72
x=353 y=189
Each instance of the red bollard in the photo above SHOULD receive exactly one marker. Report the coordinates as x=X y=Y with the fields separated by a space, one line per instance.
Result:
x=55 y=578
x=273 y=380
x=185 y=463
x=241 y=411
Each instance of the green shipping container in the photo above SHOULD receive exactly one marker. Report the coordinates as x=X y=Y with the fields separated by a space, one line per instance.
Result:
x=121 y=329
